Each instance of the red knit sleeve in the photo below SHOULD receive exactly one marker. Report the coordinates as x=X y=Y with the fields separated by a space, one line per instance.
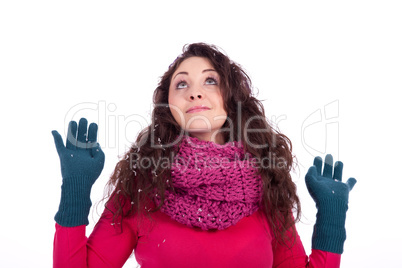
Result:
x=109 y=245
x=295 y=256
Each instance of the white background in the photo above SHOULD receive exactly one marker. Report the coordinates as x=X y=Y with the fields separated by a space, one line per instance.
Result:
x=329 y=74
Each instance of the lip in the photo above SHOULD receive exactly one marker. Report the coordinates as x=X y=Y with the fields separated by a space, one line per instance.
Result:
x=196 y=109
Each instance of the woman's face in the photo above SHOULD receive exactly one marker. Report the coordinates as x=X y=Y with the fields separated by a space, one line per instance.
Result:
x=195 y=99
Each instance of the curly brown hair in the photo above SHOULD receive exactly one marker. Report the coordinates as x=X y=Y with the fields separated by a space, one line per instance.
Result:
x=133 y=183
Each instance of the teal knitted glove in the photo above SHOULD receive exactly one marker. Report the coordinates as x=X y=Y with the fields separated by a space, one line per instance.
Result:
x=81 y=162
x=331 y=197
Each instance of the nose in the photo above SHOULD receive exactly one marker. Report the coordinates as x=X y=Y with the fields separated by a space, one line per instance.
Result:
x=195 y=96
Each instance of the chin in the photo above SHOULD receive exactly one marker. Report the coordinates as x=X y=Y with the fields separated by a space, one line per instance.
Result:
x=202 y=126
x=198 y=126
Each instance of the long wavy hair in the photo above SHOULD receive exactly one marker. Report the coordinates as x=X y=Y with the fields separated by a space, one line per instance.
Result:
x=136 y=178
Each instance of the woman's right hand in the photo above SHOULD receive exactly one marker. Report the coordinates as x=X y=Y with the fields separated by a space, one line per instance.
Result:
x=82 y=155
x=81 y=162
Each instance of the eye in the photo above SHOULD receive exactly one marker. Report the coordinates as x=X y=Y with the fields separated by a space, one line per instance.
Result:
x=181 y=84
x=211 y=81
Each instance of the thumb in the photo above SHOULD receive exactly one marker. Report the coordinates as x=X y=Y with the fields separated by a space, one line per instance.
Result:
x=351 y=183
x=311 y=175
x=58 y=141
x=96 y=151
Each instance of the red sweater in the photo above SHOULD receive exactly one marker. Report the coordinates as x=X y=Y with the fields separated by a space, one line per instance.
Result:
x=167 y=243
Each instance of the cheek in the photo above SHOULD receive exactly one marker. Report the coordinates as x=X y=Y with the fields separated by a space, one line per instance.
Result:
x=175 y=97
x=174 y=107
x=220 y=104
x=172 y=101
x=170 y=96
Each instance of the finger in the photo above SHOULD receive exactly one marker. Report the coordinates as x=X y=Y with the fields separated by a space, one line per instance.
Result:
x=92 y=132
x=58 y=141
x=82 y=134
x=71 y=135
x=351 y=183
x=311 y=179
x=338 y=170
x=82 y=130
x=328 y=166
x=318 y=164
x=96 y=151
x=311 y=175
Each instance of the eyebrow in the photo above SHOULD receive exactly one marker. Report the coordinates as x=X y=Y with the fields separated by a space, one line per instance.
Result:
x=204 y=71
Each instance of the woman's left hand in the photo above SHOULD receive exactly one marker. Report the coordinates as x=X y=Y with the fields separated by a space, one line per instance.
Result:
x=327 y=184
x=331 y=196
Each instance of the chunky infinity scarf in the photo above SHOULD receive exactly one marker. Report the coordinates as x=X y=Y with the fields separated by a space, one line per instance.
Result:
x=215 y=185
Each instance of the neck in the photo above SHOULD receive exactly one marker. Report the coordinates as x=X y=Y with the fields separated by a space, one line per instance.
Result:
x=215 y=137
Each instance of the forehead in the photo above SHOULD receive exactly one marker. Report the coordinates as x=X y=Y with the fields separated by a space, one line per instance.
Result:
x=195 y=64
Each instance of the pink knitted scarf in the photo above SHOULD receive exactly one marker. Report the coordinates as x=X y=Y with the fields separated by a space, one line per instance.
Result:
x=215 y=185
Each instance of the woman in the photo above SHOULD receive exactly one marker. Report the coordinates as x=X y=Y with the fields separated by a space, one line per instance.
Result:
x=207 y=184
